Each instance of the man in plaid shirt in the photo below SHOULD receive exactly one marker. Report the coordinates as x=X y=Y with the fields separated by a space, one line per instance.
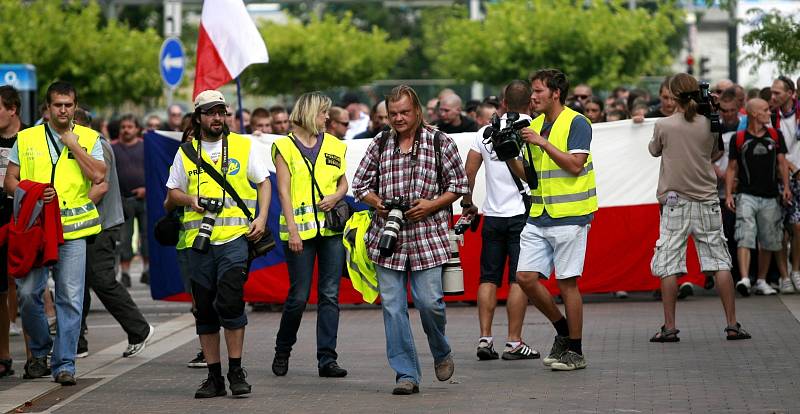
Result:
x=407 y=168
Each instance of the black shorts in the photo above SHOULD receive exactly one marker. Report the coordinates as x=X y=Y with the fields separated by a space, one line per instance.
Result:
x=500 y=243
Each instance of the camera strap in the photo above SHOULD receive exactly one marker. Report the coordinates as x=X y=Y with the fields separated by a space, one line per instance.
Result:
x=55 y=149
x=310 y=166
x=202 y=164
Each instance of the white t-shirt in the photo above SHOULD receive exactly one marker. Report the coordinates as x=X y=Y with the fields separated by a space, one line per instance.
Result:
x=358 y=126
x=502 y=196
x=257 y=168
x=789 y=130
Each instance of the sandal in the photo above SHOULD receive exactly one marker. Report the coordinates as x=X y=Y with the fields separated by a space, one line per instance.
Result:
x=666 y=335
x=6 y=365
x=737 y=331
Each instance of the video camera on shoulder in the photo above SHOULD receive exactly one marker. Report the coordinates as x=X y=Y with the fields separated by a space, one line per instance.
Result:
x=706 y=105
x=212 y=207
x=506 y=142
x=397 y=207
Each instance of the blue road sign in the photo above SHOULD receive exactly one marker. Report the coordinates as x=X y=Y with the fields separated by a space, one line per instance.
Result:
x=21 y=76
x=171 y=62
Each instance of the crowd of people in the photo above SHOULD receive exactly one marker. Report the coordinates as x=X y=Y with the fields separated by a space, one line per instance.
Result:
x=734 y=190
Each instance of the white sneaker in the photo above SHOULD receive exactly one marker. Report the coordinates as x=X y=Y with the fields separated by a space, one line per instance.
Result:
x=743 y=286
x=796 y=280
x=762 y=288
x=13 y=330
x=787 y=287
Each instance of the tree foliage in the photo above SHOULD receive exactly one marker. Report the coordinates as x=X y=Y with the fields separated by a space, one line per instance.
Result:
x=108 y=64
x=322 y=54
x=601 y=43
x=777 y=39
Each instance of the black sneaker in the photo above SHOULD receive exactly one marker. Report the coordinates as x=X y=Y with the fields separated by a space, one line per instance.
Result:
x=685 y=290
x=125 y=279
x=198 y=362
x=521 y=351
x=83 y=347
x=211 y=387
x=280 y=365
x=36 y=368
x=236 y=378
x=560 y=346
x=486 y=350
x=332 y=370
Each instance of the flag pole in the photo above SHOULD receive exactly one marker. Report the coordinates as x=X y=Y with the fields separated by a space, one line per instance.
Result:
x=239 y=99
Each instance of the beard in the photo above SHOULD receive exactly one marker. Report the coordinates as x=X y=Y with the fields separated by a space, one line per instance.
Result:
x=212 y=132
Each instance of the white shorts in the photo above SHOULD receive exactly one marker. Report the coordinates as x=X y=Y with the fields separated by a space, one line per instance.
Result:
x=562 y=247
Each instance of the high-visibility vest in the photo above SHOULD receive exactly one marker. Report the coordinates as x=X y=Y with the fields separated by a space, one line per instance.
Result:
x=560 y=192
x=328 y=168
x=231 y=222
x=359 y=266
x=79 y=215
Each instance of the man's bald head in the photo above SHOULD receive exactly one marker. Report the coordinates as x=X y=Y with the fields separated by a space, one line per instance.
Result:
x=450 y=109
x=451 y=100
x=724 y=84
x=755 y=105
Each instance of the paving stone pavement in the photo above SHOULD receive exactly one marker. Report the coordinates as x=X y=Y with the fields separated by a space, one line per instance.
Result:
x=703 y=373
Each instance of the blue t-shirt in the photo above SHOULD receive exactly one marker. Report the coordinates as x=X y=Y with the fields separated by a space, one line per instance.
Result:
x=578 y=142
x=97 y=149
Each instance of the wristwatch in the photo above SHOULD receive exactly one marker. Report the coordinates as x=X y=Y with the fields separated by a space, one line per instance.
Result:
x=466 y=205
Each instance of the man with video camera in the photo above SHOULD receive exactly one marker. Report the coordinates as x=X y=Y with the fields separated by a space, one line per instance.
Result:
x=562 y=206
x=505 y=210
x=207 y=177
x=417 y=171
x=687 y=192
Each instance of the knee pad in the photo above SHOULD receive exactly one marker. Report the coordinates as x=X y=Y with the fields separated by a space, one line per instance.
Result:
x=203 y=307
x=230 y=293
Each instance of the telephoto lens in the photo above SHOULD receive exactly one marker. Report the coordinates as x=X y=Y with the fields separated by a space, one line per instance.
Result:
x=203 y=239
x=391 y=230
x=452 y=273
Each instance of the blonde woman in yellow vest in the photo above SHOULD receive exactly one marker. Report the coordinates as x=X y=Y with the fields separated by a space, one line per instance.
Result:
x=216 y=258
x=69 y=157
x=310 y=166
x=562 y=206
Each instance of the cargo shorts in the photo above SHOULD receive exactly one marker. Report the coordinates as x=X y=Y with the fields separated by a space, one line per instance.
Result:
x=703 y=221
x=758 y=219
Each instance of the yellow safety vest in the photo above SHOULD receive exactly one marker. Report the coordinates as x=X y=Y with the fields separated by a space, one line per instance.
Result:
x=560 y=192
x=231 y=222
x=79 y=216
x=360 y=267
x=328 y=168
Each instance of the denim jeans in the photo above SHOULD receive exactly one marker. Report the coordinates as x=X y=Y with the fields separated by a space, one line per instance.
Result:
x=330 y=252
x=69 y=277
x=426 y=290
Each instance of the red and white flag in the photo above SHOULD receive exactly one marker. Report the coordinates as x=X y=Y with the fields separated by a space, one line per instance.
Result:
x=228 y=42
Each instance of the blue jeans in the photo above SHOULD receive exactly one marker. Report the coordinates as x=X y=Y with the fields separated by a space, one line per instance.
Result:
x=70 y=279
x=426 y=290
x=330 y=252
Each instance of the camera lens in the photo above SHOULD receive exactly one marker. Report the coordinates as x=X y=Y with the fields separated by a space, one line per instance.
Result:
x=391 y=230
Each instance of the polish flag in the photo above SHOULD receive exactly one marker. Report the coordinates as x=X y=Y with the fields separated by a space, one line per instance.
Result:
x=227 y=44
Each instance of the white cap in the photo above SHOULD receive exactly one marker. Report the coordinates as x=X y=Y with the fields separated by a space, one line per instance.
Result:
x=208 y=99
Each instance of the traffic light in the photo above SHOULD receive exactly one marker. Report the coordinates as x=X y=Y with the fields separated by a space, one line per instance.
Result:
x=704 y=70
x=690 y=65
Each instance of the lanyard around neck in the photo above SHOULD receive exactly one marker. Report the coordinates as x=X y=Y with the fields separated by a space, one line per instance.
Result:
x=224 y=164
x=55 y=149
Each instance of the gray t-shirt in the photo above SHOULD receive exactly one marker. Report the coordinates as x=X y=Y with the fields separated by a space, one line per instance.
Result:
x=685 y=149
x=110 y=207
x=578 y=142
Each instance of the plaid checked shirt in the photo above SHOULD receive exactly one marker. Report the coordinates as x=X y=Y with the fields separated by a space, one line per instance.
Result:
x=424 y=244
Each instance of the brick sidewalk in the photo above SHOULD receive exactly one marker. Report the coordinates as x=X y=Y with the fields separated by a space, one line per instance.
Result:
x=703 y=373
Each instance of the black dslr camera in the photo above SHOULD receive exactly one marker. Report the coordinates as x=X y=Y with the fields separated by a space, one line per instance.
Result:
x=397 y=207
x=212 y=207
x=706 y=105
x=506 y=142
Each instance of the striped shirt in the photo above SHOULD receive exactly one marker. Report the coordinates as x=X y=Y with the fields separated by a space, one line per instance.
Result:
x=424 y=244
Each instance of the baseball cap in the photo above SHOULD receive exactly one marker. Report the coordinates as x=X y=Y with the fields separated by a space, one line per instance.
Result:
x=208 y=99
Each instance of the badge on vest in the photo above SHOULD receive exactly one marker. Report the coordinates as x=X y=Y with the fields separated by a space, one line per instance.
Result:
x=234 y=166
x=71 y=156
x=333 y=160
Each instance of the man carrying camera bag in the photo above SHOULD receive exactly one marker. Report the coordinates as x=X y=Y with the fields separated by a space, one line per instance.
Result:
x=417 y=171
x=563 y=203
x=505 y=210
x=218 y=230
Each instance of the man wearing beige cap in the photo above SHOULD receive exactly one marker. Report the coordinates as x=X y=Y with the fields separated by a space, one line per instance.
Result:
x=213 y=246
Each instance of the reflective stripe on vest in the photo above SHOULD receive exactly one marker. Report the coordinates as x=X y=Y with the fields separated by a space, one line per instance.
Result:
x=231 y=221
x=561 y=193
x=79 y=217
x=329 y=167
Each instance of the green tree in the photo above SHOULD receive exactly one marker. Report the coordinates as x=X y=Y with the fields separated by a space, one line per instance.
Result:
x=777 y=38
x=108 y=64
x=601 y=43
x=321 y=54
